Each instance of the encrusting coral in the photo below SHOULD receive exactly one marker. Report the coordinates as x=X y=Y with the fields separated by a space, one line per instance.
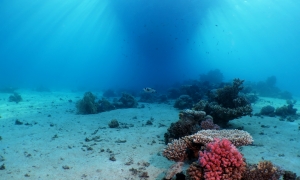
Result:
x=221 y=160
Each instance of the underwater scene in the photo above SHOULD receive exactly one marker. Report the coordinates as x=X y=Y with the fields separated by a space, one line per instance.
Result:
x=149 y=90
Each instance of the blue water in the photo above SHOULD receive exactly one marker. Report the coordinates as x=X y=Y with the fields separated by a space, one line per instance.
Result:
x=137 y=43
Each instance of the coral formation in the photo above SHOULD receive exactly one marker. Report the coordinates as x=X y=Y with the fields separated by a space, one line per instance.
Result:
x=189 y=146
x=226 y=104
x=221 y=160
x=105 y=105
x=268 y=111
x=194 y=91
x=126 y=101
x=286 y=110
x=208 y=123
x=194 y=113
x=183 y=102
x=262 y=171
x=176 y=151
x=87 y=104
x=268 y=88
x=113 y=123
x=237 y=137
x=195 y=172
x=15 y=98
x=187 y=124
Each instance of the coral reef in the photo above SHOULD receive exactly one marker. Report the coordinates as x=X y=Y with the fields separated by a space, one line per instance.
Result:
x=196 y=90
x=268 y=88
x=195 y=172
x=104 y=105
x=194 y=113
x=237 y=137
x=183 y=102
x=15 y=98
x=87 y=104
x=176 y=151
x=221 y=160
x=208 y=123
x=189 y=146
x=113 y=123
x=262 y=171
x=126 y=101
x=193 y=91
x=268 y=111
x=286 y=110
x=226 y=104
x=187 y=124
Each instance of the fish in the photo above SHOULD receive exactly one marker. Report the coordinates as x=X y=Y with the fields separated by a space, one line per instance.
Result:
x=149 y=90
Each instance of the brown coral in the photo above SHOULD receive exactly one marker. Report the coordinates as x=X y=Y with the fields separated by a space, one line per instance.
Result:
x=187 y=124
x=195 y=172
x=262 y=171
x=176 y=150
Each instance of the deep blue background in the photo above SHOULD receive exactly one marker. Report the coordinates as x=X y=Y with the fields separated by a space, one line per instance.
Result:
x=137 y=43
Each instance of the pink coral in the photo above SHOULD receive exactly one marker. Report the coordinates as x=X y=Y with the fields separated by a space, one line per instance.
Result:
x=221 y=161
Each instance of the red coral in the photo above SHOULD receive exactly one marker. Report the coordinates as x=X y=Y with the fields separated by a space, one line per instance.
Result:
x=222 y=161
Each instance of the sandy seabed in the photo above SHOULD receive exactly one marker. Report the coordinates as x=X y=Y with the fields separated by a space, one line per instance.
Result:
x=56 y=143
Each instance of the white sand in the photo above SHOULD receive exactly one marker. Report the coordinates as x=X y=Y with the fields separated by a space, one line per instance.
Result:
x=31 y=149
